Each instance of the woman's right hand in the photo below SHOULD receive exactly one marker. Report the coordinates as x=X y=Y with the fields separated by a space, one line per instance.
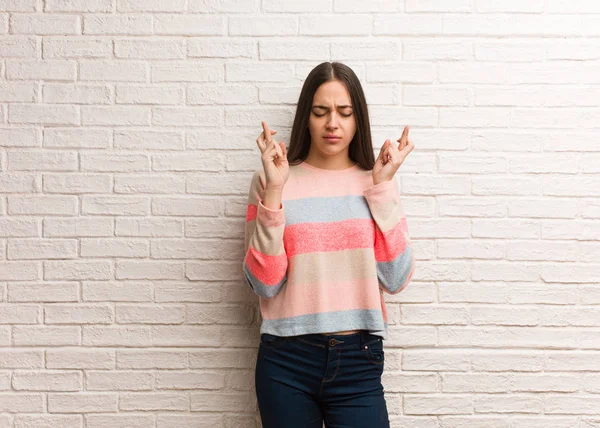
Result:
x=274 y=159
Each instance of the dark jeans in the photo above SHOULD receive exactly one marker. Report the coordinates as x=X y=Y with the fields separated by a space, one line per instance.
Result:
x=303 y=381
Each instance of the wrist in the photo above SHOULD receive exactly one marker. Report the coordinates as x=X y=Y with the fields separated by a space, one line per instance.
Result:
x=273 y=189
x=376 y=182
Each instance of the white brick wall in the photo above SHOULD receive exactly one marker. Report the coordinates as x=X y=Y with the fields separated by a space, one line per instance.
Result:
x=127 y=133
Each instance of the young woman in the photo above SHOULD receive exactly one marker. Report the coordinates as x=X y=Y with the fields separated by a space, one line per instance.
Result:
x=325 y=237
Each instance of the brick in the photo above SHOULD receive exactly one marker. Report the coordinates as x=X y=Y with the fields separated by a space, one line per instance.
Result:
x=149 y=227
x=77 y=270
x=44 y=292
x=43 y=114
x=77 y=94
x=152 y=359
x=190 y=25
x=436 y=404
x=188 y=162
x=137 y=314
x=74 y=47
x=232 y=47
x=156 y=401
x=513 y=6
x=115 y=115
x=151 y=6
x=79 y=5
x=78 y=314
x=384 y=50
x=19 y=47
x=116 y=336
x=119 y=381
x=228 y=6
x=150 y=49
x=81 y=183
x=409 y=24
x=18 y=6
x=45 y=24
x=226 y=94
x=185 y=292
x=116 y=291
x=150 y=140
x=18 y=182
x=186 y=72
x=114 y=162
x=187 y=380
x=82 y=402
x=438 y=95
x=42 y=160
x=470 y=249
x=113 y=71
x=46 y=336
x=19 y=271
x=263 y=25
x=77 y=138
x=224 y=402
x=32 y=249
x=115 y=205
x=77 y=227
x=80 y=358
x=42 y=205
x=20 y=137
x=129 y=24
x=47 y=381
x=137 y=420
x=410 y=71
x=145 y=94
x=21 y=403
x=149 y=270
x=48 y=421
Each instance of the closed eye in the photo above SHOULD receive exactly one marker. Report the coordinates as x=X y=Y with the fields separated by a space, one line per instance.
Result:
x=344 y=115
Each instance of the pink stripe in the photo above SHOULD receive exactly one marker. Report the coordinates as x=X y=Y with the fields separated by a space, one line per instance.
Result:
x=304 y=187
x=267 y=269
x=303 y=299
x=390 y=244
x=251 y=212
x=331 y=236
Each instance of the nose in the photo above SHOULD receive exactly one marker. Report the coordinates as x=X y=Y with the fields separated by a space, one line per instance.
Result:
x=332 y=122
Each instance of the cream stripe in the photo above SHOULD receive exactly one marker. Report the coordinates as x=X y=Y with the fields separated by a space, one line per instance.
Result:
x=324 y=266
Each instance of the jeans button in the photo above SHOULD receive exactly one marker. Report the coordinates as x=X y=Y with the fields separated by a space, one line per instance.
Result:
x=332 y=342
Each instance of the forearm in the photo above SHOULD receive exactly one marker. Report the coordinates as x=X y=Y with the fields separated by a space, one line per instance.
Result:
x=272 y=198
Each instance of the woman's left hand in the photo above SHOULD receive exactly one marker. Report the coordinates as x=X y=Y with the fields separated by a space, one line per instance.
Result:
x=391 y=156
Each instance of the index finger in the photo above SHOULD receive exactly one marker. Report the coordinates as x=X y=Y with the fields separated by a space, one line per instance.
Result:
x=404 y=138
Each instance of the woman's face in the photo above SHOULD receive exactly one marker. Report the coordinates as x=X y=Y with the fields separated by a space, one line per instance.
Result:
x=331 y=115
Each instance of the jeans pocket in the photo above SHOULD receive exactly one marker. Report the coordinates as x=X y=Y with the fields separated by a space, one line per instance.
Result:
x=271 y=341
x=375 y=353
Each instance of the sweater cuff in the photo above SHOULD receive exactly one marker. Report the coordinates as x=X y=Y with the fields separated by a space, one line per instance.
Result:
x=270 y=217
x=383 y=190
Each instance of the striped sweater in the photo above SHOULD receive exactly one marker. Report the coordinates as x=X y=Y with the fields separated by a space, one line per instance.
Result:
x=321 y=262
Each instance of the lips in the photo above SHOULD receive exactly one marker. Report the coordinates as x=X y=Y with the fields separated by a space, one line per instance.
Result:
x=332 y=138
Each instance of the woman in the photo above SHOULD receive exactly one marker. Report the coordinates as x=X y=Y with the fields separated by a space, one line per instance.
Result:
x=325 y=237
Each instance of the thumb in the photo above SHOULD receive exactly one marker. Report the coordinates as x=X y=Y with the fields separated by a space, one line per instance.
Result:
x=283 y=148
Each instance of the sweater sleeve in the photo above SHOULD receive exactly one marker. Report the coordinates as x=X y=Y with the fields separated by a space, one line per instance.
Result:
x=393 y=251
x=265 y=260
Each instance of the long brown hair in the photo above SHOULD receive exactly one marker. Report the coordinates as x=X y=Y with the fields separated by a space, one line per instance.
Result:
x=360 y=149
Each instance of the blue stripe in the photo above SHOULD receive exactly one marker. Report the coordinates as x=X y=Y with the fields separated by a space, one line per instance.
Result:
x=260 y=288
x=393 y=274
x=326 y=209
x=325 y=322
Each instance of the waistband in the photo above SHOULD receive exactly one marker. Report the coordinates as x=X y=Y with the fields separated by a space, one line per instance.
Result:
x=355 y=340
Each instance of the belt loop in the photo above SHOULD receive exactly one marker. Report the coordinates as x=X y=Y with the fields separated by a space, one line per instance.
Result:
x=363 y=338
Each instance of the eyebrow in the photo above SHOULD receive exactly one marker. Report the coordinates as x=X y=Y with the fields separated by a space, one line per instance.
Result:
x=327 y=108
